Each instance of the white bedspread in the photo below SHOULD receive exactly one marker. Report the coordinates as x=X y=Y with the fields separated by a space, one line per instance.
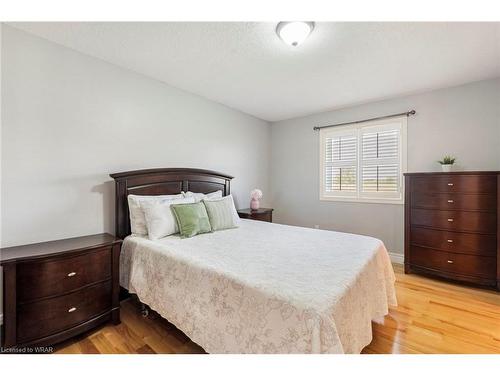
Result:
x=264 y=288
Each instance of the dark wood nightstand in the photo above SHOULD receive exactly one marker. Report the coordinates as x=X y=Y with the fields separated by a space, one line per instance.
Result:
x=55 y=290
x=262 y=214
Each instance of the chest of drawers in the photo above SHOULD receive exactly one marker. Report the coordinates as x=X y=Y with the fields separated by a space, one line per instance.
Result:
x=55 y=290
x=452 y=225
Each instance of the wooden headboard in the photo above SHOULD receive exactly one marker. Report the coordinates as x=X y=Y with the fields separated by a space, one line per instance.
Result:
x=162 y=181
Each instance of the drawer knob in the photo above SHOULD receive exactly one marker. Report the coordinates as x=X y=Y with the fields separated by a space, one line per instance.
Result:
x=72 y=309
x=450 y=220
x=450 y=241
x=450 y=261
x=71 y=274
x=450 y=184
x=450 y=200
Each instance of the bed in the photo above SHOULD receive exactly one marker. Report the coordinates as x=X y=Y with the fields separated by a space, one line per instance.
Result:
x=258 y=288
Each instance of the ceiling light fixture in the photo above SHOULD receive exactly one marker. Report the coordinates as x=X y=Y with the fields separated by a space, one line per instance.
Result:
x=294 y=33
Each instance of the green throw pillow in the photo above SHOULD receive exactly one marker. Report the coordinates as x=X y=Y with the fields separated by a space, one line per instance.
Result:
x=192 y=219
x=220 y=212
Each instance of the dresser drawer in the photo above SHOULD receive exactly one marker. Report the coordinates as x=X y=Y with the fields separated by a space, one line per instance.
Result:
x=461 y=264
x=481 y=222
x=455 y=242
x=455 y=183
x=38 y=279
x=445 y=201
x=52 y=315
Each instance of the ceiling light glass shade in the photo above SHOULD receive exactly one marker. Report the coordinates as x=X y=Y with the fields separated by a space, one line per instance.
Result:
x=294 y=33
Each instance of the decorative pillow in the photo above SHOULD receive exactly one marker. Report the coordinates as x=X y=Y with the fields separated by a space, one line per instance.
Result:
x=200 y=196
x=160 y=219
x=137 y=219
x=237 y=219
x=192 y=219
x=220 y=213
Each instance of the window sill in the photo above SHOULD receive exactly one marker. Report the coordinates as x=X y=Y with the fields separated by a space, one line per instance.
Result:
x=361 y=200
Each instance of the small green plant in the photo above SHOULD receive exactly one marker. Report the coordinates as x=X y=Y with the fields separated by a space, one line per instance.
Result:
x=447 y=160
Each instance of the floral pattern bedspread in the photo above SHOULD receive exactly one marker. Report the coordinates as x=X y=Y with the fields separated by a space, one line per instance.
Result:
x=264 y=288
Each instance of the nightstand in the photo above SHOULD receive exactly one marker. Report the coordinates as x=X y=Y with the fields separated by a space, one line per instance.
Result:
x=262 y=214
x=56 y=290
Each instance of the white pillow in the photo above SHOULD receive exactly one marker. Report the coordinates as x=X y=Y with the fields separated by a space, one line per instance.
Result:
x=160 y=219
x=137 y=219
x=200 y=196
x=236 y=217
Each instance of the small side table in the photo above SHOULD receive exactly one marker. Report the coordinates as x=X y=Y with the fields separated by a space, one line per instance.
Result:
x=262 y=214
x=59 y=289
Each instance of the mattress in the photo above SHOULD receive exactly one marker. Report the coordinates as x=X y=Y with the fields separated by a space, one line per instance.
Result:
x=264 y=287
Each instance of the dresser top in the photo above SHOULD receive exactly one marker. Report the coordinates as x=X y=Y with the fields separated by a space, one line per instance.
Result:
x=42 y=249
x=452 y=173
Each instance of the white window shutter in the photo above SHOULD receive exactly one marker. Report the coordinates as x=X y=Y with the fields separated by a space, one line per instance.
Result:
x=339 y=164
x=380 y=161
x=363 y=162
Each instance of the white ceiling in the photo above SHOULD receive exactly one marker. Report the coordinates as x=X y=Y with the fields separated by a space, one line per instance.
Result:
x=245 y=66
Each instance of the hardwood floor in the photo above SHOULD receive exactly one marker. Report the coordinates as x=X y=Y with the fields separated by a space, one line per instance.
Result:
x=135 y=334
x=438 y=317
x=432 y=317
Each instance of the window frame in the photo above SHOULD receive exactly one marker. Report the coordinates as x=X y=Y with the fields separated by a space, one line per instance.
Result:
x=359 y=196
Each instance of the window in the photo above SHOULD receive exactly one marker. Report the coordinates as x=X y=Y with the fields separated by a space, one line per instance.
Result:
x=363 y=162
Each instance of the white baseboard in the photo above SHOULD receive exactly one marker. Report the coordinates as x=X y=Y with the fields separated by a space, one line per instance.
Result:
x=397 y=258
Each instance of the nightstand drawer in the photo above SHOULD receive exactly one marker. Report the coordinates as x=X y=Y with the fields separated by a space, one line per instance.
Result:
x=39 y=279
x=52 y=315
x=260 y=214
x=262 y=217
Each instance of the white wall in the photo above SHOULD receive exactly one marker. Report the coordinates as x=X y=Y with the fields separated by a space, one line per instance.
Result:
x=462 y=121
x=68 y=120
